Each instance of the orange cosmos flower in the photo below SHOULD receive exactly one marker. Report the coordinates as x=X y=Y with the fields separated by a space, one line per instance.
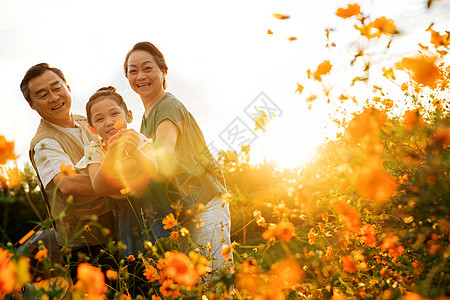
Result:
x=269 y=31
x=131 y=257
x=174 y=235
x=41 y=254
x=170 y=289
x=322 y=69
x=349 y=215
x=365 y=125
x=374 y=183
x=169 y=221
x=180 y=268
x=119 y=124
x=111 y=274
x=389 y=242
x=280 y=16
x=151 y=273
x=312 y=234
x=286 y=273
x=6 y=150
x=412 y=296
x=299 y=88
x=66 y=170
x=348 y=264
x=259 y=218
x=404 y=86
x=284 y=231
x=368 y=235
x=384 y=26
x=439 y=40
x=226 y=251
x=248 y=278
x=350 y=11
x=411 y=119
x=91 y=281
x=422 y=69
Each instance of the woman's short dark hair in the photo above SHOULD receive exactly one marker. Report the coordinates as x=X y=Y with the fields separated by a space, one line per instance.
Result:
x=101 y=93
x=35 y=71
x=157 y=55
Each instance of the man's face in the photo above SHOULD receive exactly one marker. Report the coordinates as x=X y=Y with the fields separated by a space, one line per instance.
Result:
x=50 y=97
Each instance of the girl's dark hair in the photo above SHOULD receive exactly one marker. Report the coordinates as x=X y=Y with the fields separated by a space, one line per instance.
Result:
x=157 y=55
x=99 y=95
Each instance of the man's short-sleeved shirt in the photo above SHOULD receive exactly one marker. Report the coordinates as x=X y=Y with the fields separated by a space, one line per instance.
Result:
x=48 y=153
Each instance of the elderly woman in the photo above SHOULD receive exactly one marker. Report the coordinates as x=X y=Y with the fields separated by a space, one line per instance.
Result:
x=191 y=176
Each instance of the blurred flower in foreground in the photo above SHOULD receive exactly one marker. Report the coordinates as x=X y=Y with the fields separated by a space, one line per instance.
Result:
x=349 y=215
x=13 y=274
x=7 y=274
x=368 y=235
x=411 y=119
x=286 y=274
x=383 y=26
x=111 y=275
x=91 y=282
x=365 y=126
x=284 y=231
x=439 y=40
x=66 y=170
x=350 y=11
x=6 y=150
x=280 y=16
x=373 y=182
x=422 y=69
x=180 y=268
x=119 y=124
x=349 y=264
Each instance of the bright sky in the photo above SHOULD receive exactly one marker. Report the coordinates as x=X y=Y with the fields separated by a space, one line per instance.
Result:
x=219 y=55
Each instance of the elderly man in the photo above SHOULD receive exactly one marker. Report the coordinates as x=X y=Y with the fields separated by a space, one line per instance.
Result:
x=59 y=141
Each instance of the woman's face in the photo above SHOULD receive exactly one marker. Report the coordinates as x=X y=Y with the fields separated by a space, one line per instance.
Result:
x=144 y=75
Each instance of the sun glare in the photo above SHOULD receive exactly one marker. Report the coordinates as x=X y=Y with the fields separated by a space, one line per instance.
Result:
x=291 y=142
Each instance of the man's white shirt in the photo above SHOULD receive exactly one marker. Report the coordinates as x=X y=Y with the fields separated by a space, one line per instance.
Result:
x=49 y=155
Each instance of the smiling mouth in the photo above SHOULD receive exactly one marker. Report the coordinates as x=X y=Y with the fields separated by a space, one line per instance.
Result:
x=112 y=131
x=59 y=106
x=143 y=85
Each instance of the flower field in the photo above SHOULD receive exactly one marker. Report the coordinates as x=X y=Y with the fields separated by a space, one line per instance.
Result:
x=368 y=217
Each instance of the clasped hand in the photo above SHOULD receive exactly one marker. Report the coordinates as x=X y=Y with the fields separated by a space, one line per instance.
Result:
x=124 y=143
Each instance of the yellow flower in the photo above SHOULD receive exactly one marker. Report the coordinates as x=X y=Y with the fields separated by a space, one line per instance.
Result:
x=111 y=274
x=125 y=191
x=41 y=254
x=66 y=170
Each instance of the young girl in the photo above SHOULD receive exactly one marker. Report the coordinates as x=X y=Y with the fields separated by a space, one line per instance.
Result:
x=122 y=160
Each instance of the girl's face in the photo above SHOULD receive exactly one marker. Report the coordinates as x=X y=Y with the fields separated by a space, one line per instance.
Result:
x=104 y=114
x=144 y=75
